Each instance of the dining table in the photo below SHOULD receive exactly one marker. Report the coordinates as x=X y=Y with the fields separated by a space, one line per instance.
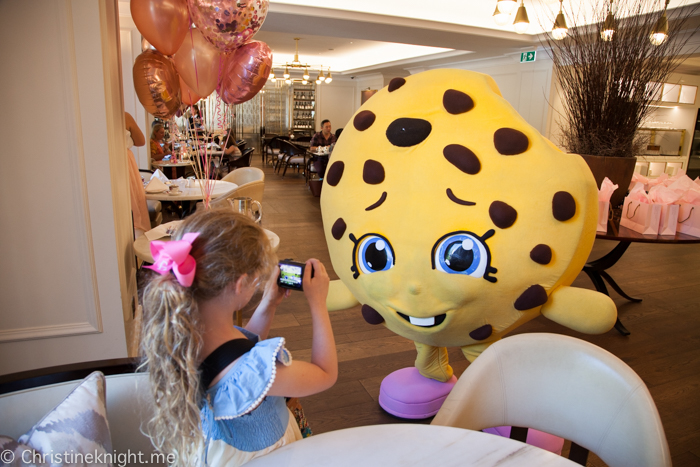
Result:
x=409 y=444
x=177 y=169
x=597 y=269
x=193 y=190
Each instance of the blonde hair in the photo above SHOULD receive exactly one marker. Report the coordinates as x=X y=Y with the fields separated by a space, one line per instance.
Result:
x=156 y=127
x=229 y=246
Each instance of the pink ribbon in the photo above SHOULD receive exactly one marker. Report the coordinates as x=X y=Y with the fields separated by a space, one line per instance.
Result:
x=175 y=255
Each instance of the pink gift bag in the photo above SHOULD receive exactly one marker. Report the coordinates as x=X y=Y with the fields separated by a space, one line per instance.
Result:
x=603 y=208
x=689 y=219
x=669 y=219
x=641 y=217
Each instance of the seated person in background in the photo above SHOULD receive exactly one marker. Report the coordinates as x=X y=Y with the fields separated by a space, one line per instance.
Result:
x=158 y=152
x=195 y=119
x=323 y=137
x=231 y=146
x=221 y=389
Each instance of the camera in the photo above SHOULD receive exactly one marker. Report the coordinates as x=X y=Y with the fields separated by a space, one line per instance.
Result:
x=291 y=274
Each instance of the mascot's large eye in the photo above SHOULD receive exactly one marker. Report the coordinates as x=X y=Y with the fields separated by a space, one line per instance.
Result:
x=373 y=253
x=461 y=253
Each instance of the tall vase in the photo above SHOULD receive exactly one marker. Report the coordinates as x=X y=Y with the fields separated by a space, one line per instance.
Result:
x=618 y=169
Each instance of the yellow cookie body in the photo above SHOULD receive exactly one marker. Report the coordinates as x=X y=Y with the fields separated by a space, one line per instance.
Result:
x=449 y=217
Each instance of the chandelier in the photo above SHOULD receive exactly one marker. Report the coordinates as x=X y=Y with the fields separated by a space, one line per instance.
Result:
x=297 y=65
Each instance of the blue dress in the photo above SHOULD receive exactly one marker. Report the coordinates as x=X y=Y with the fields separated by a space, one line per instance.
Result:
x=237 y=411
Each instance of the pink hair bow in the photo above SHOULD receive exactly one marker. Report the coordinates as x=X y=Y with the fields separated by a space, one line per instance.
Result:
x=175 y=255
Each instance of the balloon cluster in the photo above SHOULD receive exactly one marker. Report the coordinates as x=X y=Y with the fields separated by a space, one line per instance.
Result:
x=183 y=64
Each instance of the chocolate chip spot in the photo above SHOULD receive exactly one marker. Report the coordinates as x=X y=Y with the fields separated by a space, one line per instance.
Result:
x=407 y=132
x=335 y=173
x=363 y=120
x=479 y=334
x=457 y=102
x=338 y=228
x=510 y=142
x=502 y=214
x=373 y=172
x=533 y=297
x=396 y=83
x=541 y=254
x=371 y=316
x=462 y=158
x=563 y=206
x=378 y=203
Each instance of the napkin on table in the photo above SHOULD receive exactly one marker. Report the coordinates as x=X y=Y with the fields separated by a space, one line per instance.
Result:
x=161 y=230
x=160 y=176
x=155 y=186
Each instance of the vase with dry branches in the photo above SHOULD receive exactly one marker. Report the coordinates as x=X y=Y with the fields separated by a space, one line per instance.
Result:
x=608 y=80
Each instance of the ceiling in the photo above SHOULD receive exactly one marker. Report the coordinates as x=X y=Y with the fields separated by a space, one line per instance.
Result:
x=355 y=37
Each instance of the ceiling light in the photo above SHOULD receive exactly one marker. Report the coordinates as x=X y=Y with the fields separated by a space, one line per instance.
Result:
x=304 y=82
x=521 y=23
x=500 y=18
x=272 y=75
x=306 y=74
x=321 y=78
x=329 y=78
x=660 y=32
x=609 y=26
x=318 y=81
x=506 y=6
x=286 y=73
x=559 y=30
x=288 y=81
x=297 y=67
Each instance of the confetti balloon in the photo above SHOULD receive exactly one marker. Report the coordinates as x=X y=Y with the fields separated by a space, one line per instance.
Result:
x=197 y=62
x=228 y=24
x=245 y=72
x=163 y=23
x=157 y=84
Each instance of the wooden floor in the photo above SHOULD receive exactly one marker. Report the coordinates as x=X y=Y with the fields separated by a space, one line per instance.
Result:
x=664 y=347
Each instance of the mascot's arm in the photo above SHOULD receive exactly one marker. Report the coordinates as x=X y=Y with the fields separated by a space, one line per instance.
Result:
x=432 y=362
x=582 y=310
x=340 y=297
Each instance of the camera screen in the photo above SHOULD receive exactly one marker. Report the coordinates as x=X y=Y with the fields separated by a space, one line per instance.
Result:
x=290 y=275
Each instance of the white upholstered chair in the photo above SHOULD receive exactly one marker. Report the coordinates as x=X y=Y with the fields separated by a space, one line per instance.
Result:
x=563 y=386
x=244 y=175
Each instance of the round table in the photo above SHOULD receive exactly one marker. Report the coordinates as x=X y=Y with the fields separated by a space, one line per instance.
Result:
x=409 y=445
x=142 y=245
x=596 y=269
x=174 y=166
x=193 y=192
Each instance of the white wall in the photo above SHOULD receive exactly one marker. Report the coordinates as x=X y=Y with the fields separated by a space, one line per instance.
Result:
x=64 y=235
x=336 y=102
x=130 y=47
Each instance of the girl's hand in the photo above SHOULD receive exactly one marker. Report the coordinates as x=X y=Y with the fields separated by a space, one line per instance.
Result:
x=316 y=288
x=273 y=293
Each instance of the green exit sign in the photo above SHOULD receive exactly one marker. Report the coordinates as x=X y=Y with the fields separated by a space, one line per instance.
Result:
x=528 y=56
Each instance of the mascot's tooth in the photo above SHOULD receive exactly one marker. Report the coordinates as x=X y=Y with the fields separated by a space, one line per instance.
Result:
x=422 y=321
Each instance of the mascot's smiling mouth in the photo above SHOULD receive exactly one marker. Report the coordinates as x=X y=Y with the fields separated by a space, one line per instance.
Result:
x=424 y=322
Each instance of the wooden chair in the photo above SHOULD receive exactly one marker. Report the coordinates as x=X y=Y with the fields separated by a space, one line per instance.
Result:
x=566 y=387
x=293 y=155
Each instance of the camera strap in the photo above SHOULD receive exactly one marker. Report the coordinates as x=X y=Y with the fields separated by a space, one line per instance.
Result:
x=222 y=357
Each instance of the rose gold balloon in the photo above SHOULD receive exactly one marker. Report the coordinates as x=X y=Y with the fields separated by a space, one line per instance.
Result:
x=157 y=84
x=164 y=23
x=228 y=24
x=197 y=61
x=145 y=45
x=245 y=72
x=188 y=96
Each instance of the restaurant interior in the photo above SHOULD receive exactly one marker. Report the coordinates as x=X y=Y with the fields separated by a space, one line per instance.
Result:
x=73 y=267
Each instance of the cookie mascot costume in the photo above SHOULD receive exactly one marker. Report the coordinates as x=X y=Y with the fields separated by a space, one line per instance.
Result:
x=453 y=221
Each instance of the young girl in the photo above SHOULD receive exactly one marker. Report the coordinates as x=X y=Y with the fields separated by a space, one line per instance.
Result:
x=219 y=390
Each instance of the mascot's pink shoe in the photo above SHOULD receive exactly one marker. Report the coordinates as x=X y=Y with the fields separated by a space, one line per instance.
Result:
x=534 y=438
x=406 y=393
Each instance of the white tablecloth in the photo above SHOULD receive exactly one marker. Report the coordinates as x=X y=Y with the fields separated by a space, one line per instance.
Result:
x=194 y=192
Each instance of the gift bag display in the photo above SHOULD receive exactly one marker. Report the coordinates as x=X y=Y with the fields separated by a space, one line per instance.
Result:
x=689 y=219
x=603 y=215
x=669 y=219
x=641 y=217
